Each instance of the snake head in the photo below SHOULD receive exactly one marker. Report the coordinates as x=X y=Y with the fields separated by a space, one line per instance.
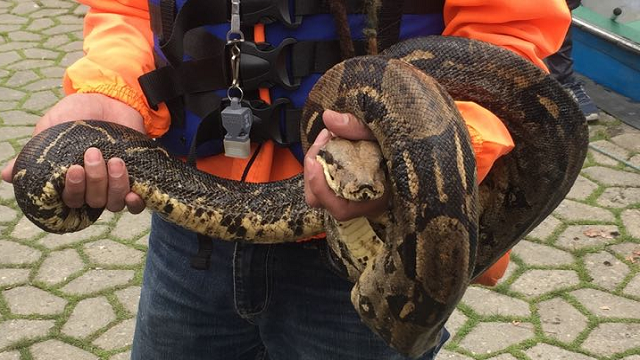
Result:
x=354 y=170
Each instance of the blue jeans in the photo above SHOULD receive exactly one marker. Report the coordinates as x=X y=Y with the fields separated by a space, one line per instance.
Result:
x=276 y=302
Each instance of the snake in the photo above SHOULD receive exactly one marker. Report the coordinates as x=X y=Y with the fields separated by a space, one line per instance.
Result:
x=442 y=229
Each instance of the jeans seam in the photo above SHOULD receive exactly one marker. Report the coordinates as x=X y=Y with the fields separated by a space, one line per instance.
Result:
x=267 y=297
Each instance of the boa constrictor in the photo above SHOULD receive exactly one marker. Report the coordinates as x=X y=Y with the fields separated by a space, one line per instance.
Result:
x=443 y=229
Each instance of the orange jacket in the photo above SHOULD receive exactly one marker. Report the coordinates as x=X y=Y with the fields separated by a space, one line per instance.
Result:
x=118 y=49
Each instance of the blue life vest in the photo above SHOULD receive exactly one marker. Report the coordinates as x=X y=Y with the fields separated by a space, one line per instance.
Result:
x=192 y=63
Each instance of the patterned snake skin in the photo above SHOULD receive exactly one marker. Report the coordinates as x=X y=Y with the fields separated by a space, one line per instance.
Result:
x=444 y=229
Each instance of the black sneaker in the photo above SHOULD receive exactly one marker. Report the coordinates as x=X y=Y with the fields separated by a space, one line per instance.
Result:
x=587 y=106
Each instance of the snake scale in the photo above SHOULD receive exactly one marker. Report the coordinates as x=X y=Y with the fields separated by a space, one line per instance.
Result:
x=444 y=230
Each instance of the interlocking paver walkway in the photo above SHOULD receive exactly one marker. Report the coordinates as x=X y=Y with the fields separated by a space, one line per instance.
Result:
x=572 y=290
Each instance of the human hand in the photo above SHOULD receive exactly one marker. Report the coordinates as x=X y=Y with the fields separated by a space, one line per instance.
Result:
x=98 y=184
x=316 y=190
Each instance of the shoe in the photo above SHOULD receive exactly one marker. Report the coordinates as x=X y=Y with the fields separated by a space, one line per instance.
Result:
x=587 y=106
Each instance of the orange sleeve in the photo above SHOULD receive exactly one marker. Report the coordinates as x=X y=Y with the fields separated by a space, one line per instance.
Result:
x=532 y=29
x=118 y=47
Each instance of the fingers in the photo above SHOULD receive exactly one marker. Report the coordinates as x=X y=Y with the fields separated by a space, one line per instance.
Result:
x=7 y=171
x=100 y=185
x=346 y=126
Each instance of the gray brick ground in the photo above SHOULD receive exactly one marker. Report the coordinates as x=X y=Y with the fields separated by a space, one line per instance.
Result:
x=97 y=280
x=15 y=330
x=575 y=236
x=575 y=211
x=117 y=337
x=57 y=350
x=59 y=265
x=619 y=197
x=11 y=355
x=560 y=320
x=28 y=300
x=109 y=252
x=548 y=352
x=631 y=221
x=10 y=277
x=129 y=298
x=54 y=241
x=545 y=229
x=486 y=302
x=606 y=305
x=611 y=338
x=17 y=254
x=542 y=255
x=605 y=269
x=611 y=177
x=491 y=337
x=89 y=316
x=582 y=188
x=633 y=287
x=537 y=282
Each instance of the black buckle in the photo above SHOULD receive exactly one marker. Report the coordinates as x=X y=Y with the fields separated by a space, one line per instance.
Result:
x=265 y=68
x=268 y=11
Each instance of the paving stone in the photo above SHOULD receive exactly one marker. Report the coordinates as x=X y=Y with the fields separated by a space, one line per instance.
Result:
x=10 y=277
x=611 y=177
x=17 y=254
x=47 y=13
x=560 y=320
x=25 y=7
x=631 y=220
x=19 y=329
x=602 y=159
x=40 y=24
x=17 y=45
x=55 y=72
x=70 y=57
x=626 y=249
x=89 y=316
x=20 y=78
x=605 y=269
x=511 y=269
x=574 y=236
x=144 y=241
x=40 y=100
x=17 y=117
x=72 y=46
x=59 y=265
x=537 y=282
x=29 y=300
x=37 y=53
x=616 y=197
x=582 y=188
x=448 y=355
x=131 y=226
x=71 y=19
x=635 y=160
x=117 y=337
x=12 y=132
x=633 y=287
x=628 y=141
x=25 y=229
x=57 y=350
x=11 y=19
x=10 y=94
x=121 y=356
x=611 y=338
x=504 y=357
x=606 y=305
x=44 y=84
x=8 y=58
x=545 y=228
x=97 y=280
x=24 y=36
x=575 y=211
x=130 y=297
x=611 y=148
x=6 y=150
x=7 y=105
x=109 y=252
x=490 y=337
x=7 y=214
x=632 y=357
x=541 y=255
x=11 y=355
x=53 y=241
x=6 y=190
x=487 y=303
x=549 y=352
x=30 y=64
